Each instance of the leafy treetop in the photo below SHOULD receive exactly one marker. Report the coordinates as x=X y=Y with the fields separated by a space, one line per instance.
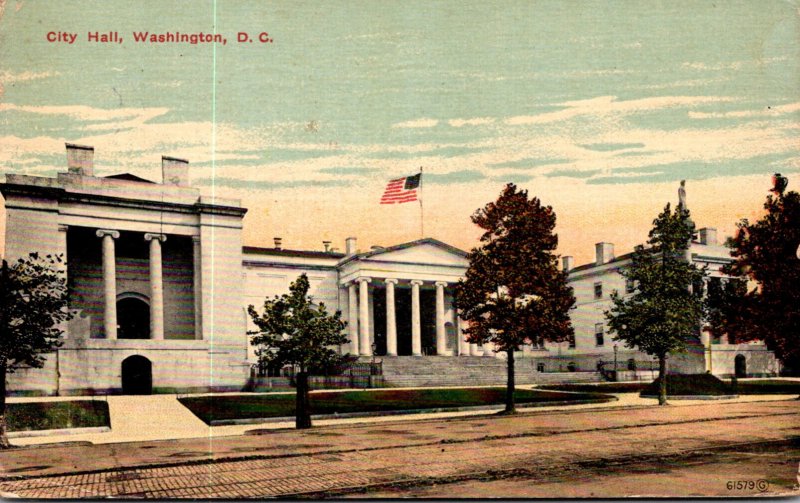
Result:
x=292 y=330
x=663 y=313
x=33 y=305
x=514 y=292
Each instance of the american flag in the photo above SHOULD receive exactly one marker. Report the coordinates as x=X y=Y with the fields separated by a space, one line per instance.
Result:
x=401 y=190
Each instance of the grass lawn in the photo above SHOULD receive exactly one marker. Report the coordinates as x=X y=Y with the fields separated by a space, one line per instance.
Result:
x=605 y=387
x=768 y=387
x=56 y=415
x=690 y=384
x=699 y=384
x=222 y=407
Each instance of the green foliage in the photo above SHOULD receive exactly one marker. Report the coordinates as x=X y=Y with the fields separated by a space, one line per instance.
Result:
x=33 y=303
x=662 y=314
x=514 y=292
x=218 y=408
x=765 y=254
x=728 y=310
x=292 y=330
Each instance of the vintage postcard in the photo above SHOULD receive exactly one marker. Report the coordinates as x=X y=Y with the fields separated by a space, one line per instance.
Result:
x=391 y=249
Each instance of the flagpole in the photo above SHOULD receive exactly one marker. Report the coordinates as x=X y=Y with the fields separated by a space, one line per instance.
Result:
x=421 y=210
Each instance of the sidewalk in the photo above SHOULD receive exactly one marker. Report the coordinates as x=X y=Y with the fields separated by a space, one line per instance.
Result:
x=162 y=417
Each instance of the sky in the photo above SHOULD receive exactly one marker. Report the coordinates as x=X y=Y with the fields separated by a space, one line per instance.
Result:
x=597 y=108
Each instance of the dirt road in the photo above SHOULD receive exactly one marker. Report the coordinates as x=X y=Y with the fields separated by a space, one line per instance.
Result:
x=337 y=461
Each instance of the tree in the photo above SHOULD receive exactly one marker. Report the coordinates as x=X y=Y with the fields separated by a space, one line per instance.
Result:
x=663 y=313
x=293 y=331
x=514 y=292
x=765 y=255
x=33 y=306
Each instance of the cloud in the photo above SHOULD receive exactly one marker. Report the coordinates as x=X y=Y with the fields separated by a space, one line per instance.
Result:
x=86 y=113
x=769 y=111
x=7 y=77
x=608 y=105
x=417 y=123
x=479 y=121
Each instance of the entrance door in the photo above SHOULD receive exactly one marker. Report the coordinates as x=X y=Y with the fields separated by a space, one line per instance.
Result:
x=740 y=363
x=137 y=376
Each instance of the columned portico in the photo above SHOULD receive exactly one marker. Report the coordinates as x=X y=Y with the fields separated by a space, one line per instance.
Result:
x=365 y=348
x=109 y=282
x=416 y=319
x=156 y=286
x=391 y=318
x=405 y=299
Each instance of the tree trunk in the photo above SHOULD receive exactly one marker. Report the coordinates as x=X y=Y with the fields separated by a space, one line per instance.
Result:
x=662 y=376
x=4 y=443
x=302 y=412
x=510 y=405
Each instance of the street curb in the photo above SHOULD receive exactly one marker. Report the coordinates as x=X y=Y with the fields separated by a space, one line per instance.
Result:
x=231 y=422
x=60 y=431
x=694 y=397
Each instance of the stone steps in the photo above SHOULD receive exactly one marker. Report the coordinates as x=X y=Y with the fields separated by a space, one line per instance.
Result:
x=470 y=371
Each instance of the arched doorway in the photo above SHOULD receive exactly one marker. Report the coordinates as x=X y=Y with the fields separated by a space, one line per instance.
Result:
x=133 y=317
x=137 y=376
x=740 y=365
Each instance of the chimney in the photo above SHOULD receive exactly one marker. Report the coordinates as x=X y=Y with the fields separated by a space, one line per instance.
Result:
x=277 y=243
x=708 y=236
x=350 y=246
x=80 y=159
x=327 y=245
x=174 y=171
x=604 y=253
x=567 y=261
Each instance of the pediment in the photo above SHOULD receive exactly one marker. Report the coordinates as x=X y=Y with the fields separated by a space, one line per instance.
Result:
x=423 y=252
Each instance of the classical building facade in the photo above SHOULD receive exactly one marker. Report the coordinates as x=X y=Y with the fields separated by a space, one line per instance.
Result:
x=153 y=277
x=160 y=284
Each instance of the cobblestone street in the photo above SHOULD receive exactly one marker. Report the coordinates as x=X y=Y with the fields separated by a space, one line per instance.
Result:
x=341 y=459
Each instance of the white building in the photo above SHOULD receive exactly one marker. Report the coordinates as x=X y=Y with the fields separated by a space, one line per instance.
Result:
x=160 y=281
x=594 y=283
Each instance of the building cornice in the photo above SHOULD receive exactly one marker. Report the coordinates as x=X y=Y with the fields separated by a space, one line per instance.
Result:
x=63 y=195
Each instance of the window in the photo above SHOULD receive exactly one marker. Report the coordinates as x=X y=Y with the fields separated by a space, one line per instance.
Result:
x=632 y=364
x=572 y=367
x=630 y=286
x=540 y=367
x=598 y=290
x=598 y=334
x=571 y=342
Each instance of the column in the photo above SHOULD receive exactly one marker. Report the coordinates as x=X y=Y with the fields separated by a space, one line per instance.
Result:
x=109 y=282
x=416 y=325
x=156 y=286
x=391 y=319
x=463 y=345
x=441 y=337
x=363 y=317
x=352 y=318
x=488 y=349
x=197 y=287
x=474 y=350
